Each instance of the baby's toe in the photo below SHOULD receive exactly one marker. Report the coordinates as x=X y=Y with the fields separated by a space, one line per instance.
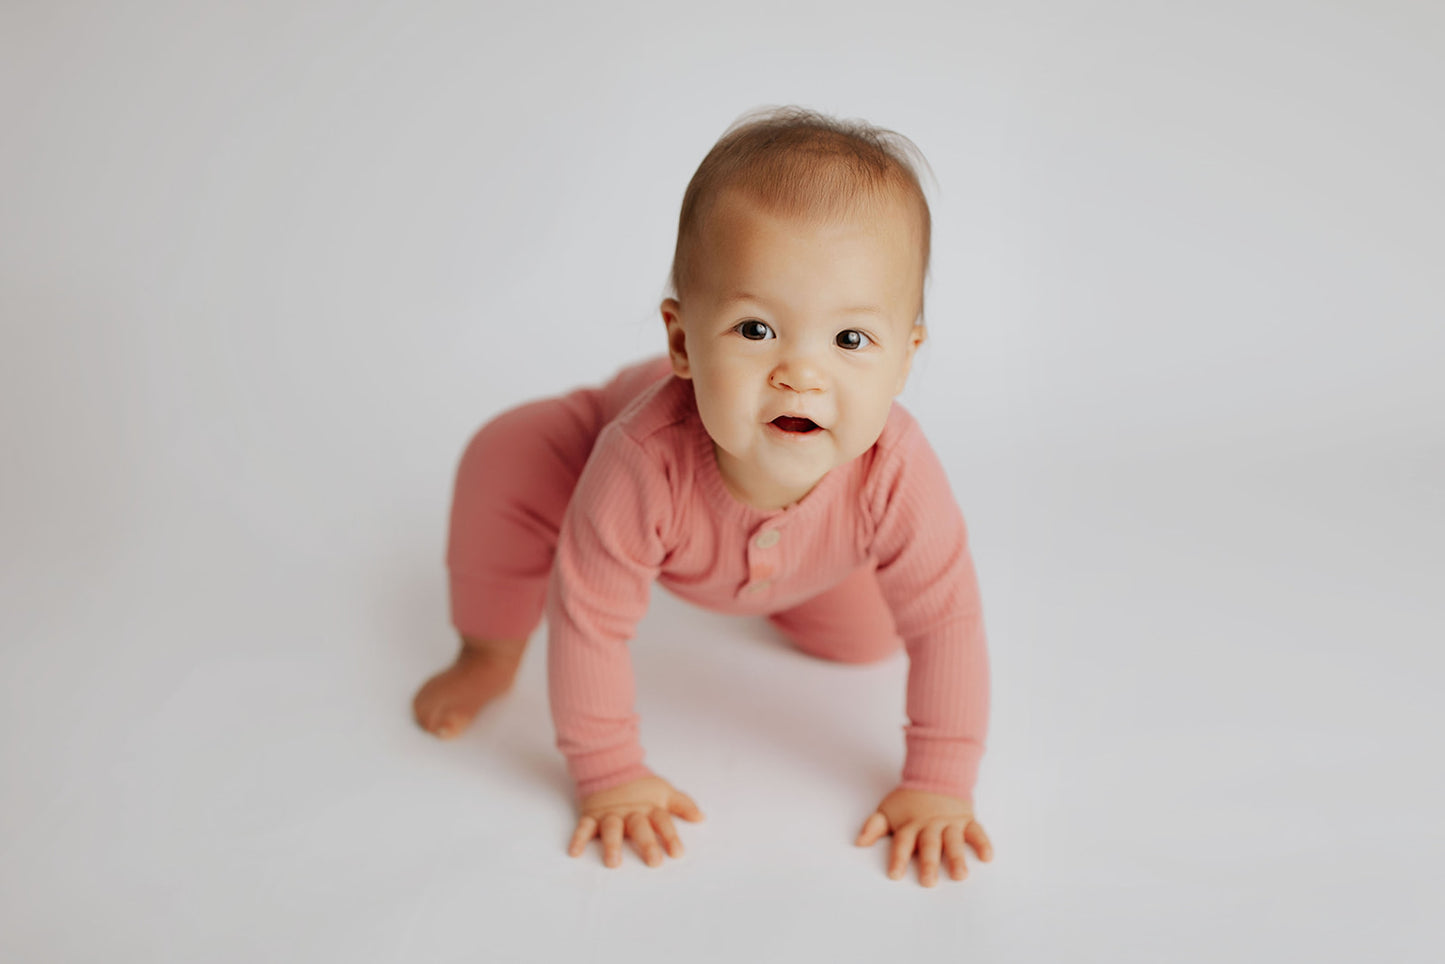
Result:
x=449 y=725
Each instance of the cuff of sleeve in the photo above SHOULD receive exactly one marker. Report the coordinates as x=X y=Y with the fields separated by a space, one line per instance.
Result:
x=596 y=784
x=601 y=767
x=942 y=764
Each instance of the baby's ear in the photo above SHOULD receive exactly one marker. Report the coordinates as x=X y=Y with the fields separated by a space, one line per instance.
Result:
x=676 y=338
x=916 y=337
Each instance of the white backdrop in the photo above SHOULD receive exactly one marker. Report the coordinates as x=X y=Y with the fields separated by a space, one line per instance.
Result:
x=264 y=267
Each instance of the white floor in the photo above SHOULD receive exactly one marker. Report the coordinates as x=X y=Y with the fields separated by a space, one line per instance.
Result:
x=1215 y=737
x=264 y=266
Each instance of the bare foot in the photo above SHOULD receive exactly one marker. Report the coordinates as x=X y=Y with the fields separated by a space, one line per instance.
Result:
x=484 y=670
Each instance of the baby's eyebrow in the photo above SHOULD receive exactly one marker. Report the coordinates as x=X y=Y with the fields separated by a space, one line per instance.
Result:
x=738 y=296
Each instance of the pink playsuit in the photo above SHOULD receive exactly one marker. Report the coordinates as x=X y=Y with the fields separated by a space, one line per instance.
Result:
x=577 y=504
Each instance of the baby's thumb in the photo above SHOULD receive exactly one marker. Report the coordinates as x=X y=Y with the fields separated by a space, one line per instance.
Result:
x=873 y=828
x=681 y=805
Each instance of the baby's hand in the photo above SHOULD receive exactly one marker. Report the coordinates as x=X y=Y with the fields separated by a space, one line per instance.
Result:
x=932 y=821
x=640 y=810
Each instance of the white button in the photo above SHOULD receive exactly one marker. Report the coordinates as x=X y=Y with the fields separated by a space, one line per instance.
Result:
x=768 y=539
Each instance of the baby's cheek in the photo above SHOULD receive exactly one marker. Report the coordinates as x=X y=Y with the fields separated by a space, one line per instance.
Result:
x=721 y=426
x=866 y=427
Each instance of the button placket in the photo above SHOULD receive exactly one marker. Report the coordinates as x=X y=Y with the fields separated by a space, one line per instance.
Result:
x=761 y=566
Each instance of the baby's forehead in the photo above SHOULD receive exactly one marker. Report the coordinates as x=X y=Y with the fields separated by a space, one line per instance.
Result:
x=748 y=246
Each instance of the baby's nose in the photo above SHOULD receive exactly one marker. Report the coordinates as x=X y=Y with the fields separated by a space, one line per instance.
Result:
x=797 y=374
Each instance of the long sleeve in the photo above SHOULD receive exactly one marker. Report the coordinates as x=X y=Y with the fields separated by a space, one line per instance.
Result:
x=609 y=551
x=927 y=576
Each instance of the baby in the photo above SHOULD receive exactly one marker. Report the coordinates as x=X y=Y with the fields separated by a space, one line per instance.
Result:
x=762 y=467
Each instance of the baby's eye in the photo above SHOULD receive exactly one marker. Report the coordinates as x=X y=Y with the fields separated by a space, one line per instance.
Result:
x=852 y=339
x=754 y=330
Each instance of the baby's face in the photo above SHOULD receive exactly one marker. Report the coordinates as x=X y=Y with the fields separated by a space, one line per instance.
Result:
x=797 y=335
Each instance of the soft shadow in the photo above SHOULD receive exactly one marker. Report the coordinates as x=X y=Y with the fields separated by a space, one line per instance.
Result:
x=751 y=685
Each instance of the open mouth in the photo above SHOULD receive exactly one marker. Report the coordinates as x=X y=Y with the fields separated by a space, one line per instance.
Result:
x=801 y=426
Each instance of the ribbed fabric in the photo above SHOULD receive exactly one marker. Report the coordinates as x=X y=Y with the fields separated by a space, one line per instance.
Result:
x=650 y=505
x=512 y=487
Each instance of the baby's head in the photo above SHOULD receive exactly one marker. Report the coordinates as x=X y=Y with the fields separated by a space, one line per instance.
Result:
x=801 y=254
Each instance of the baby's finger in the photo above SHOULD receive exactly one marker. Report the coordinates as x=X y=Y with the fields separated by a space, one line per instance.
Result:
x=667 y=830
x=930 y=842
x=612 y=840
x=644 y=841
x=976 y=837
x=903 y=841
x=682 y=805
x=873 y=828
x=953 y=850
x=586 y=829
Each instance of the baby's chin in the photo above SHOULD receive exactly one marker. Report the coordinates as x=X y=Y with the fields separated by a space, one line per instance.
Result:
x=773 y=477
x=799 y=471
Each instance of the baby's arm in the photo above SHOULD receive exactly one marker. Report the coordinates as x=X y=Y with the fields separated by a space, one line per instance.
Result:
x=926 y=573
x=609 y=551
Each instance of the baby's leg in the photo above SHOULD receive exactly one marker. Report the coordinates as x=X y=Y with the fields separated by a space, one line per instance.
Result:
x=512 y=488
x=849 y=623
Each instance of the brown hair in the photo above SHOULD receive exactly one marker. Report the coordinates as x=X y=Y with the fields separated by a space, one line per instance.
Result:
x=800 y=162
